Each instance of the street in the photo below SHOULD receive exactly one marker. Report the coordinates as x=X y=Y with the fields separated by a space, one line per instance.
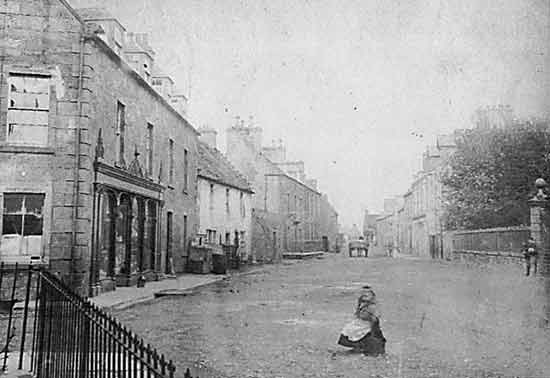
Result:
x=441 y=319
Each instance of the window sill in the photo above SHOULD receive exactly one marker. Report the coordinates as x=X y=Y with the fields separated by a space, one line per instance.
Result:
x=17 y=149
x=22 y=261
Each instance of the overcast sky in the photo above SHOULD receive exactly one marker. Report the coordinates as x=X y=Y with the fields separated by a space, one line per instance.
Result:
x=346 y=83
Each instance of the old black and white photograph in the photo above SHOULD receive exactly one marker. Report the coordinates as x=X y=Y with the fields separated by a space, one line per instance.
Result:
x=275 y=188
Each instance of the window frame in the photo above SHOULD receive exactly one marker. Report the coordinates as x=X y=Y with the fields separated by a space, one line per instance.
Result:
x=170 y=161
x=48 y=110
x=150 y=148
x=27 y=258
x=242 y=205
x=211 y=197
x=120 y=133
x=227 y=197
x=185 y=170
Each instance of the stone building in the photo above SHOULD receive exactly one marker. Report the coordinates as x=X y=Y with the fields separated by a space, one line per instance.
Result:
x=329 y=224
x=224 y=198
x=420 y=220
x=387 y=224
x=286 y=207
x=97 y=168
x=369 y=227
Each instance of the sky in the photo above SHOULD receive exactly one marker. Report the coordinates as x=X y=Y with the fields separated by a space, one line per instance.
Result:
x=355 y=88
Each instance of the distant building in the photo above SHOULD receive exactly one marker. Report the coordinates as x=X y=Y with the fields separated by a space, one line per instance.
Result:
x=494 y=117
x=413 y=223
x=224 y=199
x=369 y=227
x=286 y=206
x=328 y=224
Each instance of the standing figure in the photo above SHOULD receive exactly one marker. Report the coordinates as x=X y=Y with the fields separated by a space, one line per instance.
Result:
x=530 y=256
x=363 y=334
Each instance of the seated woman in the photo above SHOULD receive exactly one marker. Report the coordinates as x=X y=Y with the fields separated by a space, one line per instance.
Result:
x=363 y=334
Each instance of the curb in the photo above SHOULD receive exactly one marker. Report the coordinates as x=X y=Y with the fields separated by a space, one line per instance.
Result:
x=145 y=299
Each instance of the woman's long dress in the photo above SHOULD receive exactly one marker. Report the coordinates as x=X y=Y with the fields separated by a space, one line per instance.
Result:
x=372 y=342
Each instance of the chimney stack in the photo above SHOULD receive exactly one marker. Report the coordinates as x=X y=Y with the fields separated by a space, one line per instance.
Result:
x=208 y=136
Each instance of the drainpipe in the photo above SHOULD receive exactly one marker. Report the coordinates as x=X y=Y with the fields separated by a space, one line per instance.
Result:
x=76 y=175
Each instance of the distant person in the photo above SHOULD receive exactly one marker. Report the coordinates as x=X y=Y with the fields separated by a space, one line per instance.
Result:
x=530 y=255
x=363 y=334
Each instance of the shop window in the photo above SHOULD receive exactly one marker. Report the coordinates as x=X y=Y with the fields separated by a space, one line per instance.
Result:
x=22 y=225
x=28 y=109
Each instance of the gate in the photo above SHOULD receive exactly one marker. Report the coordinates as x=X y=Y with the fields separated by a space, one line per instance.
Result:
x=50 y=331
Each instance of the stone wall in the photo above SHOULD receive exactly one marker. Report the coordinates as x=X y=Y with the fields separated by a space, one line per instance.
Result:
x=489 y=258
x=114 y=81
x=501 y=245
x=47 y=37
x=43 y=37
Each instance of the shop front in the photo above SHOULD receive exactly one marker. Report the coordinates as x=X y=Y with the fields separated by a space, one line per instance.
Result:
x=126 y=228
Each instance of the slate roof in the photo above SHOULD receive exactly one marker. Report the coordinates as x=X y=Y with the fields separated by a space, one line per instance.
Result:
x=214 y=166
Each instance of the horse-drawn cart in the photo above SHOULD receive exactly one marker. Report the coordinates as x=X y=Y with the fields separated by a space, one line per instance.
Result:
x=358 y=248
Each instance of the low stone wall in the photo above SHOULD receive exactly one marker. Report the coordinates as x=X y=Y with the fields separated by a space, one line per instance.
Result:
x=313 y=245
x=489 y=258
x=494 y=246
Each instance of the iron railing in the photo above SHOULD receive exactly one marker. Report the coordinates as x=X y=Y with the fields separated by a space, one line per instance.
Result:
x=51 y=331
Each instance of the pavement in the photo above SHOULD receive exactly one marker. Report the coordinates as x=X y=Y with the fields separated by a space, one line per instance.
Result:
x=124 y=297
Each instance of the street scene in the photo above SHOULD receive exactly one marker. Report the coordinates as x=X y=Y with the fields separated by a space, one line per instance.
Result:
x=274 y=188
x=440 y=320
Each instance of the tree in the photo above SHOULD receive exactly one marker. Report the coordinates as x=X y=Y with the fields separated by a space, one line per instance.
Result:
x=491 y=175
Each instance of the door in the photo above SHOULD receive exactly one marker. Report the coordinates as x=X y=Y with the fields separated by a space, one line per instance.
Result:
x=169 y=239
x=325 y=243
x=433 y=247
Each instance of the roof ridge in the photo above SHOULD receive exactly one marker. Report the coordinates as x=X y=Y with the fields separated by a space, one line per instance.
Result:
x=223 y=164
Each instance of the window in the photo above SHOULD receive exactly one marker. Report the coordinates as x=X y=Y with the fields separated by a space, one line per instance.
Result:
x=171 y=161
x=28 y=109
x=211 y=199
x=22 y=224
x=185 y=170
x=227 y=201
x=150 y=149
x=241 y=239
x=121 y=131
x=242 y=206
x=211 y=236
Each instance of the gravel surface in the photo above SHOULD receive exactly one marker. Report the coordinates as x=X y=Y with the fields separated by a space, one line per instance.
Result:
x=441 y=319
